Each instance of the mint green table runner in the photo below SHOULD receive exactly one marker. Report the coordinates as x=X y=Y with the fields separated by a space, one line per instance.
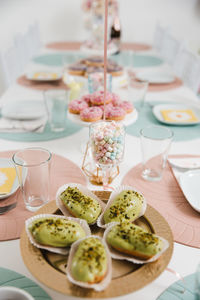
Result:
x=46 y=135
x=11 y=278
x=136 y=60
x=146 y=117
x=175 y=291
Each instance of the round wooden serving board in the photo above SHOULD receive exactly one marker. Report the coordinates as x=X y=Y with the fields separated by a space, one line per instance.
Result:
x=49 y=268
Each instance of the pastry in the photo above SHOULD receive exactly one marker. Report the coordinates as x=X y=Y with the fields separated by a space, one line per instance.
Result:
x=86 y=98
x=126 y=206
x=127 y=106
x=91 y=114
x=115 y=113
x=89 y=263
x=115 y=100
x=80 y=205
x=107 y=106
x=77 y=69
x=97 y=98
x=95 y=61
x=134 y=240
x=55 y=232
x=115 y=70
x=76 y=106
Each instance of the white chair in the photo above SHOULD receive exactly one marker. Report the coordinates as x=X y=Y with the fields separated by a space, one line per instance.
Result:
x=170 y=48
x=187 y=67
x=9 y=65
x=15 y=58
x=158 y=37
x=33 y=39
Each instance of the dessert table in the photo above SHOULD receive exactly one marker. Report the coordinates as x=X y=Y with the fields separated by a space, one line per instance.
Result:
x=184 y=259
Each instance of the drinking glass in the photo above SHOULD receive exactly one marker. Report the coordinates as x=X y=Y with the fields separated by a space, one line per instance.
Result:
x=137 y=91
x=107 y=140
x=96 y=82
x=33 y=171
x=155 y=145
x=56 y=104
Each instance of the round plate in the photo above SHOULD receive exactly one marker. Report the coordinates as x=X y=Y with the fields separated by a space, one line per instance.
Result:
x=127 y=277
x=128 y=120
x=11 y=278
x=23 y=110
x=189 y=183
x=157 y=111
x=155 y=77
x=7 y=163
x=44 y=76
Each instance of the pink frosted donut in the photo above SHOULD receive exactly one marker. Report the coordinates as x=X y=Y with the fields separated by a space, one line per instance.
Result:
x=91 y=114
x=109 y=105
x=97 y=98
x=86 y=98
x=127 y=106
x=116 y=100
x=115 y=113
x=76 y=106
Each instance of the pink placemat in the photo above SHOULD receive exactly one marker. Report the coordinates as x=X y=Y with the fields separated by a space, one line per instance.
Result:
x=161 y=86
x=77 y=45
x=135 y=46
x=64 y=45
x=165 y=86
x=167 y=197
x=42 y=86
x=62 y=171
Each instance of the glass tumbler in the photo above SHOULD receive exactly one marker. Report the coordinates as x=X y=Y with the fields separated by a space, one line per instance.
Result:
x=56 y=104
x=155 y=145
x=33 y=172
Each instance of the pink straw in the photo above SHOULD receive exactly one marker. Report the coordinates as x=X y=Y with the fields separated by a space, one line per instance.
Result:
x=105 y=53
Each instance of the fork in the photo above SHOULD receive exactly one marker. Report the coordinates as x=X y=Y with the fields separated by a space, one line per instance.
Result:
x=4 y=209
x=23 y=128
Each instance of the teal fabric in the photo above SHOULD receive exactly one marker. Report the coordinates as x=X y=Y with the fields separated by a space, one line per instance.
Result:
x=125 y=58
x=11 y=278
x=175 y=291
x=58 y=59
x=146 y=117
x=136 y=60
x=46 y=135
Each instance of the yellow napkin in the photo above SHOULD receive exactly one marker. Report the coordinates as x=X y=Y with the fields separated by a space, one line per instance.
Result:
x=45 y=75
x=179 y=115
x=7 y=177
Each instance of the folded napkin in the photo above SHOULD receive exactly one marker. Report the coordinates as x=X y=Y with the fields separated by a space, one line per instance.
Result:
x=180 y=165
x=7 y=177
x=8 y=125
x=185 y=163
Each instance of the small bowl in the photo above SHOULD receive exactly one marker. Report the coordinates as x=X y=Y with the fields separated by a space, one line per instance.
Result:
x=13 y=293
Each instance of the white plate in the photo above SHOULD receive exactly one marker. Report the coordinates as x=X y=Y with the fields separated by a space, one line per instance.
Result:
x=6 y=163
x=189 y=183
x=155 y=77
x=128 y=120
x=158 y=108
x=23 y=109
x=44 y=75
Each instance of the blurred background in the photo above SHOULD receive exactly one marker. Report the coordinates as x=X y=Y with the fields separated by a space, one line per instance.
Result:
x=138 y=18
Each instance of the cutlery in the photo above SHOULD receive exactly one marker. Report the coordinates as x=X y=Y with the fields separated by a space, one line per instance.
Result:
x=4 y=209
